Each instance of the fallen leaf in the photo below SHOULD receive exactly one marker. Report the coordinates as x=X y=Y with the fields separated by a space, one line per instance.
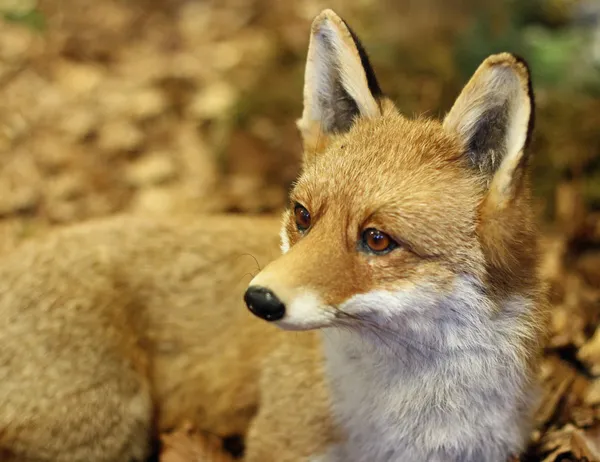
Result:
x=187 y=445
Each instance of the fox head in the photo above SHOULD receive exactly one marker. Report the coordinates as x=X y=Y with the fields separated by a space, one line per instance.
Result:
x=390 y=216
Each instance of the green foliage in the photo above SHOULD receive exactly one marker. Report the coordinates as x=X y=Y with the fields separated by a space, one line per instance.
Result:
x=559 y=58
x=557 y=48
x=591 y=189
x=32 y=18
x=483 y=40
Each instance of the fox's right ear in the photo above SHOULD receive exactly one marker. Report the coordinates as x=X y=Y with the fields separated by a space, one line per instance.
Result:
x=339 y=83
x=493 y=116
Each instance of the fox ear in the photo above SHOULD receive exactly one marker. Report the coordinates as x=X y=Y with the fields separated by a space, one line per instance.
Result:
x=339 y=83
x=493 y=116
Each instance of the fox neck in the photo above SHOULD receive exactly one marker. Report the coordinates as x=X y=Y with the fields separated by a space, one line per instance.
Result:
x=409 y=329
x=459 y=349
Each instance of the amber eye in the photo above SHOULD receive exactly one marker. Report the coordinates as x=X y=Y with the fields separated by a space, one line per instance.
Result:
x=377 y=241
x=302 y=218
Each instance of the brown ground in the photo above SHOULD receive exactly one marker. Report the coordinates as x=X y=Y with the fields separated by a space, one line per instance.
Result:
x=151 y=106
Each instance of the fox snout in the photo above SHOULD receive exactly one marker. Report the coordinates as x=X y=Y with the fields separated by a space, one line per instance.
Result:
x=301 y=289
x=286 y=307
x=263 y=303
x=286 y=294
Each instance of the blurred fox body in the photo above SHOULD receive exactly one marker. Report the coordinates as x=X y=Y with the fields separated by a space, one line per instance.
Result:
x=100 y=321
x=409 y=263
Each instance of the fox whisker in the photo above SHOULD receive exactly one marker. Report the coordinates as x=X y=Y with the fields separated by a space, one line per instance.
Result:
x=387 y=336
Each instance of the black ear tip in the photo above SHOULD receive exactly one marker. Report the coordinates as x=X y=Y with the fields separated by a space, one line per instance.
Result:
x=366 y=64
x=521 y=60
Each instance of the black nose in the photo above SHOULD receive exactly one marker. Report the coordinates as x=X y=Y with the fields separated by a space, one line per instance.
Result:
x=264 y=303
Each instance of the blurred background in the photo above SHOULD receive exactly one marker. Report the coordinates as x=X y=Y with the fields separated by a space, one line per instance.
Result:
x=157 y=105
x=162 y=106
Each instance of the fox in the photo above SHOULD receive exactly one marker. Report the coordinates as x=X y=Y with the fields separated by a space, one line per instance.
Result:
x=400 y=312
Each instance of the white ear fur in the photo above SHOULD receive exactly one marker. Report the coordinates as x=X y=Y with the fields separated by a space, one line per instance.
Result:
x=493 y=115
x=334 y=51
x=339 y=83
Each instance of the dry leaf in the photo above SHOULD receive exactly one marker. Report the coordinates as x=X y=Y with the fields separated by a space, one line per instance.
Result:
x=589 y=354
x=186 y=445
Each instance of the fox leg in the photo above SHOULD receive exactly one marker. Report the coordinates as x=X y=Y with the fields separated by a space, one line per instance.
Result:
x=293 y=421
x=270 y=440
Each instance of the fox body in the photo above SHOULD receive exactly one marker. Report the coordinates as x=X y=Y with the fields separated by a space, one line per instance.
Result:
x=101 y=320
x=408 y=270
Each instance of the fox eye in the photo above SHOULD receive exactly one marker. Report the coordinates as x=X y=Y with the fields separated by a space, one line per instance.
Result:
x=302 y=218
x=377 y=241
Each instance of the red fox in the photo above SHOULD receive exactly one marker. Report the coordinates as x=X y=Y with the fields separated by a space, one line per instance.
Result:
x=409 y=271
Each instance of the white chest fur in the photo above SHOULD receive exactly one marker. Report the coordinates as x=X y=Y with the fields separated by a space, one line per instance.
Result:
x=443 y=383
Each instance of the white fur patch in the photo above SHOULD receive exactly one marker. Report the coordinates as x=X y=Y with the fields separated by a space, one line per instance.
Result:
x=305 y=311
x=516 y=134
x=520 y=112
x=441 y=380
x=285 y=240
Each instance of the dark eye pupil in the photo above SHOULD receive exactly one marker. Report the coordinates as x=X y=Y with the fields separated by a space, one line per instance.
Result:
x=377 y=241
x=302 y=218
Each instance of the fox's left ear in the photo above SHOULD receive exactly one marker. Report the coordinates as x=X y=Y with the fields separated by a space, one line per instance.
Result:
x=339 y=83
x=493 y=116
